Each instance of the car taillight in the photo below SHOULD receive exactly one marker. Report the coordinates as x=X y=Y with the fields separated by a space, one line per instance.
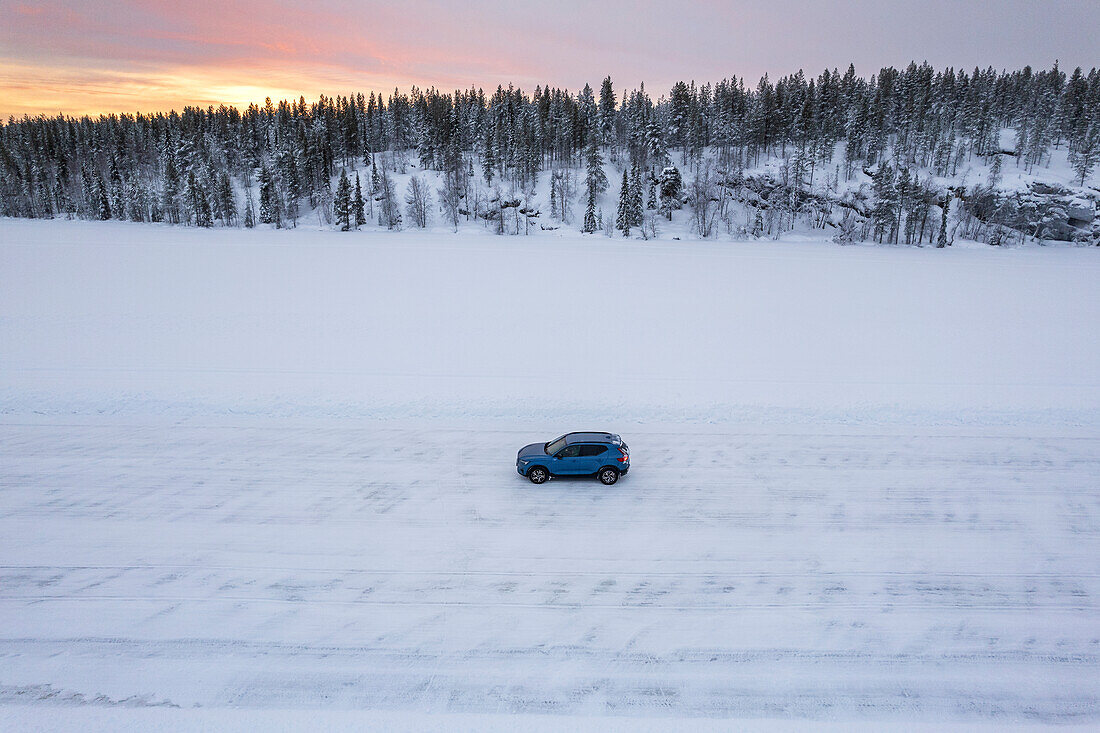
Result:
x=624 y=457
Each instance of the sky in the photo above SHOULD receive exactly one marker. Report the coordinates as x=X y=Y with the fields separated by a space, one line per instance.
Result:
x=92 y=56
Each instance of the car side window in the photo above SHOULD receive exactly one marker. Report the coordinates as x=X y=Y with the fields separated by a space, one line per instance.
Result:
x=570 y=451
x=593 y=450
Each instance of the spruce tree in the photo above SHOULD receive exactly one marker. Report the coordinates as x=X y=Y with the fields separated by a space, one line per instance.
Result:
x=288 y=164
x=654 y=144
x=595 y=178
x=88 y=204
x=203 y=215
x=135 y=202
x=995 y=171
x=488 y=160
x=357 y=204
x=169 y=199
x=191 y=198
x=672 y=187
x=99 y=198
x=635 y=207
x=341 y=204
x=227 y=203
x=590 y=222
x=904 y=195
x=624 y=217
x=606 y=112
x=269 y=202
x=941 y=240
x=61 y=197
x=884 y=213
x=115 y=190
x=1085 y=151
x=42 y=195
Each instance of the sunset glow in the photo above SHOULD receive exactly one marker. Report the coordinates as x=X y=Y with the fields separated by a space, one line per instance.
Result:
x=78 y=57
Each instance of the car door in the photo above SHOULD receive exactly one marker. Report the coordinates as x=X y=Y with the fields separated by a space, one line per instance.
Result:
x=590 y=458
x=567 y=461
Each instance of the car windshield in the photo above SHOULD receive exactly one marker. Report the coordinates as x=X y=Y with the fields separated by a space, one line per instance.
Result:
x=555 y=446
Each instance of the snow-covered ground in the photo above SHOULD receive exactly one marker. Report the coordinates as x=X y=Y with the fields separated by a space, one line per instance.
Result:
x=1055 y=173
x=275 y=470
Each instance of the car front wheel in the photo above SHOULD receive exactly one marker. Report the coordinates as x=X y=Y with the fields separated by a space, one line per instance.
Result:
x=608 y=476
x=538 y=475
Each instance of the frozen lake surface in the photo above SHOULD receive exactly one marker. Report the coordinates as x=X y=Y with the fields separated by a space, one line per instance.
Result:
x=245 y=471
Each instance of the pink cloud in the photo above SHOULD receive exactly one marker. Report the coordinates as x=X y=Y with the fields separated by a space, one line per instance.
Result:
x=339 y=46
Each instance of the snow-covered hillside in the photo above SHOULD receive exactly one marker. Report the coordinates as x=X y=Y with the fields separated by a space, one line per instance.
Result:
x=256 y=470
x=1047 y=197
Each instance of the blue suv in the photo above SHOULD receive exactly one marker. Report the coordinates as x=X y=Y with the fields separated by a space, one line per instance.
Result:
x=603 y=455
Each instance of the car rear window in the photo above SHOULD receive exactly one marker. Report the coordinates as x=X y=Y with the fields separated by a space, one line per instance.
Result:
x=593 y=450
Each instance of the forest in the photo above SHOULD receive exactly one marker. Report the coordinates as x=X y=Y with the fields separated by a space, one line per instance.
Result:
x=867 y=159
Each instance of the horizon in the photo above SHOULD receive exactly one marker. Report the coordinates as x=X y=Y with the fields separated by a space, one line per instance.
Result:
x=620 y=91
x=151 y=56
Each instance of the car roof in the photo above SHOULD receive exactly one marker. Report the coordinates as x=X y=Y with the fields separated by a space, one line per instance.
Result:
x=592 y=437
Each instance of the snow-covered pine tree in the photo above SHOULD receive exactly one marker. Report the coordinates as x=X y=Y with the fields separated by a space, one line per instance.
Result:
x=341 y=202
x=672 y=188
x=1085 y=151
x=358 y=204
x=885 y=210
x=38 y=193
x=904 y=195
x=118 y=206
x=87 y=207
x=170 y=195
x=995 y=170
x=624 y=218
x=99 y=198
x=203 y=215
x=679 y=122
x=591 y=224
x=595 y=178
x=288 y=165
x=488 y=158
x=658 y=157
x=135 y=203
x=227 y=203
x=269 y=200
x=61 y=196
x=606 y=113
x=636 y=207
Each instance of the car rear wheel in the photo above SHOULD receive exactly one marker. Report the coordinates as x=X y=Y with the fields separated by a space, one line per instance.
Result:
x=608 y=475
x=538 y=475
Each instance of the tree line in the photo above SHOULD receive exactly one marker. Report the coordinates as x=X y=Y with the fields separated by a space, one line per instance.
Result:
x=275 y=162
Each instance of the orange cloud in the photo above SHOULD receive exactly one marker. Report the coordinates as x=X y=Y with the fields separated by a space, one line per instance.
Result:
x=79 y=56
